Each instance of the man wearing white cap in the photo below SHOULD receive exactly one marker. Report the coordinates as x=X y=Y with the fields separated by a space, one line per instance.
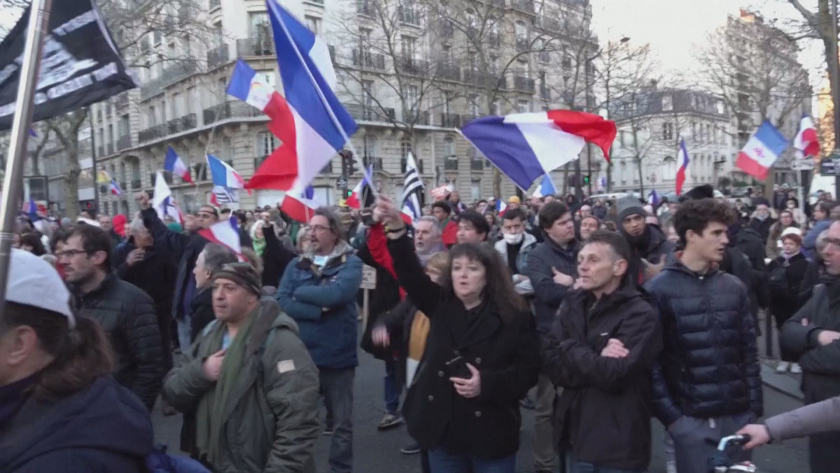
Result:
x=60 y=410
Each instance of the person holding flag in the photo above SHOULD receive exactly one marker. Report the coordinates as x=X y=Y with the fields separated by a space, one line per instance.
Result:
x=683 y=170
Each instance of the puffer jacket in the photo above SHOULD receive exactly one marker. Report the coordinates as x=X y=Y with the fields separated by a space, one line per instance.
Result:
x=709 y=366
x=127 y=315
x=529 y=242
x=548 y=295
x=323 y=303
x=271 y=421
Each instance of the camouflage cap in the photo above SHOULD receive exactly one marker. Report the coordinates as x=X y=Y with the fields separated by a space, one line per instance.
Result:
x=243 y=274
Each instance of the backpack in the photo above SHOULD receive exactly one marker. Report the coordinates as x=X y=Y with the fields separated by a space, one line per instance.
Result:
x=161 y=462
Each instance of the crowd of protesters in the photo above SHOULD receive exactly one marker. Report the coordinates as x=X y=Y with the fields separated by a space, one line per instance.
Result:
x=598 y=314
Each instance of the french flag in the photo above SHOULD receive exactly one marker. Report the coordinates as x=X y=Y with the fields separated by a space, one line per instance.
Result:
x=320 y=126
x=525 y=146
x=175 y=165
x=500 y=207
x=761 y=151
x=115 y=188
x=224 y=233
x=807 y=143
x=223 y=174
x=300 y=205
x=546 y=187
x=357 y=199
x=32 y=210
x=683 y=170
x=163 y=201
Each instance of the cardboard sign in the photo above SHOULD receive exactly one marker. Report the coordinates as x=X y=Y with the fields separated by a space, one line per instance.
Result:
x=368 y=277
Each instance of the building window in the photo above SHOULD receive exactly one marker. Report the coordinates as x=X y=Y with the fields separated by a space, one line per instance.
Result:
x=266 y=143
x=496 y=107
x=177 y=106
x=669 y=168
x=124 y=125
x=667 y=103
x=667 y=131
x=523 y=106
x=369 y=146
x=475 y=190
x=259 y=27
x=411 y=97
x=409 y=47
x=151 y=117
x=313 y=23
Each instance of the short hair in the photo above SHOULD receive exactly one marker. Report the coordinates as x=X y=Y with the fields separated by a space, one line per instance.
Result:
x=226 y=211
x=137 y=225
x=216 y=256
x=696 y=215
x=33 y=240
x=439 y=261
x=476 y=219
x=93 y=239
x=615 y=241
x=443 y=205
x=552 y=212
x=825 y=206
x=428 y=218
x=332 y=219
x=597 y=220
x=513 y=214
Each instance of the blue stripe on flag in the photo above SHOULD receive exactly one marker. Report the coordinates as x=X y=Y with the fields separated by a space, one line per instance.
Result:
x=772 y=138
x=240 y=80
x=505 y=146
x=218 y=171
x=301 y=92
x=169 y=161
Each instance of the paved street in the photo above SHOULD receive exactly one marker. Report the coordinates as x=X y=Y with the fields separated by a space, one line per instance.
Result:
x=378 y=452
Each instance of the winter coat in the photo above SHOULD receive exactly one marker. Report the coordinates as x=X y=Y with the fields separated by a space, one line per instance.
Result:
x=657 y=247
x=271 y=422
x=155 y=275
x=398 y=323
x=548 y=295
x=201 y=311
x=785 y=303
x=275 y=258
x=103 y=428
x=529 y=242
x=818 y=418
x=604 y=410
x=709 y=365
x=180 y=247
x=381 y=299
x=752 y=246
x=762 y=226
x=505 y=353
x=809 y=241
x=323 y=303
x=127 y=316
x=773 y=248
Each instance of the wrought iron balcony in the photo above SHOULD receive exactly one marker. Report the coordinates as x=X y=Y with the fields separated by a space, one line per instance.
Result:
x=218 y=56
x=136 y=184
x=450 y=120
x=228 y=110
x=410 y=65
x=368 y=60
x=445 y=29
x=476 y=164
x=151 y=133
x=418 y=162
x=259 y=47
x=545 y=93
x=365 y=7
x=448 y=71
x=450 y=163
x=122 y=100
x=526 y=6
x=415 y=117
x=523 y=45
x=371 y=161
x=369 y=113
x=523 y=83
x=409 y=15
x=124 y=141
x=494 y=39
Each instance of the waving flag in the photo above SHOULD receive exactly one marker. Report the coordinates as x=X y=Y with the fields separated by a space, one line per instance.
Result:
x=653 y=198
x=683 y=170
x=525 y=146
x=164 y=202
x=320 y=126
x=32 y=210
x=222 y=195
x=175 y=165
x=225 y=232
x=546 y=187
x=412 y=195
x=807 y=143
x=500 y=207
x=761 y=151
x=359 y=198
x=115 y=188
x=223 y=174
x=300 y=205
x=102 y=177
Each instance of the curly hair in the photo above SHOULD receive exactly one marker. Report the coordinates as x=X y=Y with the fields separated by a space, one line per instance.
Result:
x=696 y=215
x=499 y=290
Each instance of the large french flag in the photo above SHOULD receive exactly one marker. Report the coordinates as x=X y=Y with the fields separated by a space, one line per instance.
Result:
x=225 y=232
x=807 y=142
x=761 y=151
x=175 y=165
x=525 y=146
x=545 y=188
x=299 y=204
x=320 y=126
x=683 y=170
x=223 y=174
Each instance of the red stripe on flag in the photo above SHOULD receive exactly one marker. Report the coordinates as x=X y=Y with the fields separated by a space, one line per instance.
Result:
x=592 y=128
x=297 y=209
x=751 y=167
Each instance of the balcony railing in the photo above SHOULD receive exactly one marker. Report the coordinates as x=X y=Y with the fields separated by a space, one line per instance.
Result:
x=450 y=163
x=448 y=71
x=370 y=113
x=450 y=120
x=229 y=110
x=122 y=100
x=476 y=164
x=178 y=125
x=255 y=46
x=545 y=94
x=110 y=148
x=409 y=15
x=371 y=161
x=414 y=66
x=497 y=3
x=526 y=6
x=171 y=74
x=418 y=162
x=124 y=142
x=484 y=80
x=218 y=56
x=549 y=24
x=368 y=60
x=523 y=83
x=468 y=118
x=215 y=4
x=151 y=133
x=364 y=7
x=136 y=184
x=415 y=117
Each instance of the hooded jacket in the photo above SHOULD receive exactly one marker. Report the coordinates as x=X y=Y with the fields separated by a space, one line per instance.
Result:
x=652 y=246
x=529 y=242
x=101 y=428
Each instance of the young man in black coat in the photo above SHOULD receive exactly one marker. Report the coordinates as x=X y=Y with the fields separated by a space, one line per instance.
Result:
x=602 y=350
x=707 y=382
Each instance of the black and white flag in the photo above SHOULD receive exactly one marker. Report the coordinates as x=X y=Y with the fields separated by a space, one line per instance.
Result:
x=413 y=195
x=80 y=63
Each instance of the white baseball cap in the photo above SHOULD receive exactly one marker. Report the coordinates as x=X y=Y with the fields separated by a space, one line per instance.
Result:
x=34 y=282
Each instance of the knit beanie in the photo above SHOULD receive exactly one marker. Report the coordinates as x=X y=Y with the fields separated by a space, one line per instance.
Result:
x=629 y=205
x=706 y=191
x=241 y=273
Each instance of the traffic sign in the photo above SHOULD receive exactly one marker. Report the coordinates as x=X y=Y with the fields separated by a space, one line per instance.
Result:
x=341 y=183
x=803 y=164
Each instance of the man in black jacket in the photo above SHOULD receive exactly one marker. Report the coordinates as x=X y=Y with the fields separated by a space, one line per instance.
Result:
x=762 y=221
x=707 y=383
x=126 y=313
x=649 y=246
x=552 y=269
x=601 y=350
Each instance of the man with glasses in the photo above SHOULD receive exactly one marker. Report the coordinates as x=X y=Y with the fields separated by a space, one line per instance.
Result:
x=318 y=290
x=184 y=248
x=126 y=313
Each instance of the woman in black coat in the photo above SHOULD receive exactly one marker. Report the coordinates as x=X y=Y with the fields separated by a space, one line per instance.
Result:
x=481 y=357
x=786 y=275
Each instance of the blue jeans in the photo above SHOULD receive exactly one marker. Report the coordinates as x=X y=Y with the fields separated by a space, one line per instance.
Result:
x=574 y=466
x=392 y=387
x=184 y=333
x=337 y=387
x=441 y=461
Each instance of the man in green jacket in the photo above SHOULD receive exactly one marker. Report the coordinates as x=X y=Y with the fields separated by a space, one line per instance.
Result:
x=250 y=381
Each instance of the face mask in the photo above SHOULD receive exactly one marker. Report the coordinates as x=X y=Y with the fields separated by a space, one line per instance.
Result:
x=513 y=238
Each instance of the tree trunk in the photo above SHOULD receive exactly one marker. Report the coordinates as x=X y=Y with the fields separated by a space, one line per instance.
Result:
x=641 y=178
x=497 y=183
x=71 y=180
x=609 y=174
x=36 y=164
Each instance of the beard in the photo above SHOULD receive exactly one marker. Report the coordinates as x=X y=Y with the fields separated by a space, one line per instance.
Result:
x=640 y=240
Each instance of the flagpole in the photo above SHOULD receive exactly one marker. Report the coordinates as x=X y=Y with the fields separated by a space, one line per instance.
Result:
x=323 y=98
x=39 y=16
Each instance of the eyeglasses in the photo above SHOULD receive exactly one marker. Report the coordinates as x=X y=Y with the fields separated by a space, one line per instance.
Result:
x=833 y=241
x=69 y=253
x=319 y=229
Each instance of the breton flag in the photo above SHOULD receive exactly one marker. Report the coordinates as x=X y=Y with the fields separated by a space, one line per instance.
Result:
x=223 y=174
x=546 y=187
x=682 y=158
x=319 y=125
x=806 y=143
x=164 y=202
x=761 y=151
x=175 y=165
x=525 y=146
x=115 y=188
x=412 y=195
x=222 y=195
x=300 y=205
x=225 y=232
